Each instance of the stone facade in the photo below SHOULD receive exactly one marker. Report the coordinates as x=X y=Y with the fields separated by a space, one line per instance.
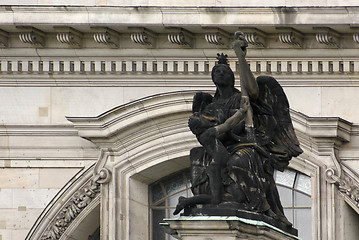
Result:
x=75 y=81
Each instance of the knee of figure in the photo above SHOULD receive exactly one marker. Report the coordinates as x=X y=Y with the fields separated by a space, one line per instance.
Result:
x=196 y=151
x=216 y=200
x=196 y=155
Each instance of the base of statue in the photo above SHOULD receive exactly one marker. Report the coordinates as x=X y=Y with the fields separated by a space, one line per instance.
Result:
x=223 y=228
x=224 y=211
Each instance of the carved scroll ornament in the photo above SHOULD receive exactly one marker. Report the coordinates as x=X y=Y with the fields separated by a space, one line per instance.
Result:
x=80 y=200
x=327 y=36
x=32 y=38
x=356 y=37
x=346 y=185
x=107 y=38
x=217 y=38
x=181 y=37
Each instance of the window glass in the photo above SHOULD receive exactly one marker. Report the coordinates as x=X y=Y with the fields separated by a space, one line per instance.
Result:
x=289 y=214
x=285 y=178
x=175 y=184
x=301 y=200
x=303 y=184
x=156 y=193
x=301 y=218
x=172 y=201
x=285 y=195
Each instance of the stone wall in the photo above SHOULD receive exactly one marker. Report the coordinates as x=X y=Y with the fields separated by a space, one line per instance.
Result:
x=64 y=59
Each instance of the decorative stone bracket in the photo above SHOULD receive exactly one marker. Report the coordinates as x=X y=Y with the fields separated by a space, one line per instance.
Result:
x=108 y=37
x=143 y=37
x=69 y=36
x=32 y=36
x=327 y=36
x=356 y=37
x=4 y=39
x=254 y=36
x=355 y=34
x=181 y=37
x=217 y=37
x=290 y=36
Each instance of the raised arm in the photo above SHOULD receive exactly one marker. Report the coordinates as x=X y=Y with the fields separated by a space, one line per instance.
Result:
x=249 y=85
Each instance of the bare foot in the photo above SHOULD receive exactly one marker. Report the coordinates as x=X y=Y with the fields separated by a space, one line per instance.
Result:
x=180 y=205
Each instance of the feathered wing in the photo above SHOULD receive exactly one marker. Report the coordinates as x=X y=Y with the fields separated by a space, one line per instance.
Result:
x=273 y=124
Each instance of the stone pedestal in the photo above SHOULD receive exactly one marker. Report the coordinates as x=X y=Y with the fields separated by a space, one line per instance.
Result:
x=222 y=228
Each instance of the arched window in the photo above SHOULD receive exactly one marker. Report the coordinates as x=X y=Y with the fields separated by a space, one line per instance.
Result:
x=295 y=194
x=294 y=189
x=164 y=196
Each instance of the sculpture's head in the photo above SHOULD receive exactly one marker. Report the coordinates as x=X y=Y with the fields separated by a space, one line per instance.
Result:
x=222 y=74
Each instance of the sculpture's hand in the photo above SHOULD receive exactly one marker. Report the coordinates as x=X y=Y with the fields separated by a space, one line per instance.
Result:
x=194 y=123
x=245 y=103
x=240 y=45
x=238 y=116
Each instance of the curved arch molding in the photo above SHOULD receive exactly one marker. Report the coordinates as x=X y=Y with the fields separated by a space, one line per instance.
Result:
x=153 y=132
x=75 y=200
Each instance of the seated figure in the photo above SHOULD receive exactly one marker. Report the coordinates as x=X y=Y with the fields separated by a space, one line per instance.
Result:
x=244 y=136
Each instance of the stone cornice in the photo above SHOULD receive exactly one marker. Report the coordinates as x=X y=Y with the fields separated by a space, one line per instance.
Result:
x=37 y=130
x=325 y=136
x=175 y=15
x=327 y=27
x=334 y=128
x=174 y=3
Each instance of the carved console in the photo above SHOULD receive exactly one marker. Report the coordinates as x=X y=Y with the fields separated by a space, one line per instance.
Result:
x=217 y=37
x=32 y=36
x=107 y=36
x=69 y=36
x=290 y=36
x=254 y=36
x=4 y=39
x=181 y=37
x=143 y=37
x=327 y=36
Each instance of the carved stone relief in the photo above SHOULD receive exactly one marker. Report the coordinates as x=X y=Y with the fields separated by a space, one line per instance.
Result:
x=80 y=200
x=346 y=185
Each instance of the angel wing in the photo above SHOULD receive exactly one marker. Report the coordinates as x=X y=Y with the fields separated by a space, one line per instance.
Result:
x=274 y=128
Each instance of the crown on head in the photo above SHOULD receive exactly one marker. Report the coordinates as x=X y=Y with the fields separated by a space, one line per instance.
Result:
x=222 y=58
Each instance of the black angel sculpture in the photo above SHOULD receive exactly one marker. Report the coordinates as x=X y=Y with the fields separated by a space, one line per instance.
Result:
x=244 y=136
